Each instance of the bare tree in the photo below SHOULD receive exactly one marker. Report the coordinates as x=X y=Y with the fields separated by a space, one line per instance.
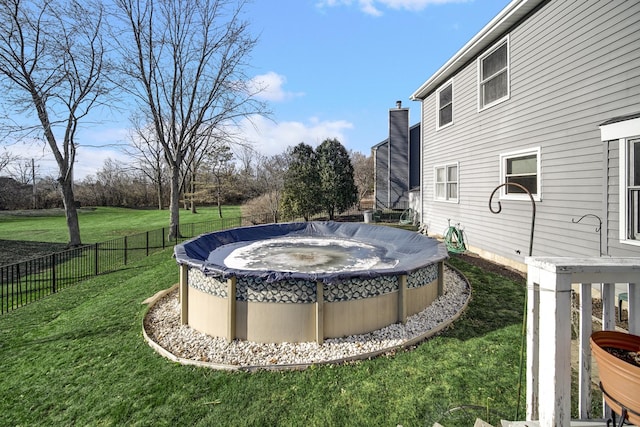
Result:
x=51 y=61
x=184 y=60
x=363 y=173
x=148 y=157
x=219 y=159
x=22 y=171
x=6 y=158
x=270 y=176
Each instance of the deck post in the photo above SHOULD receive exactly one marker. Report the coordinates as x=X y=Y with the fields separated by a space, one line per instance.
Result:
x=633 y=307
x=555 y=338
x=553 y=391
x=584 y=356
x=533 y=345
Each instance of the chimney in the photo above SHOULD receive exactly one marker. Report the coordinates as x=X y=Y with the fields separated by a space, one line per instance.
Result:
x=398 y=104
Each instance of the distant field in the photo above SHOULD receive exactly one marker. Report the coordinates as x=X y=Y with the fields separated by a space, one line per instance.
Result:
x=96 y=224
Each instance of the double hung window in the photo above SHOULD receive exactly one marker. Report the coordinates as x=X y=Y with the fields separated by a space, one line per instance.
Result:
x=493 y=79
x=444 y=98
x=446 y=183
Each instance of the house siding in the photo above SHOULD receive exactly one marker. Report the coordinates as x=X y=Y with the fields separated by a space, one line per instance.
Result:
x=414 y=157
x=381 y=167
x=573 y=65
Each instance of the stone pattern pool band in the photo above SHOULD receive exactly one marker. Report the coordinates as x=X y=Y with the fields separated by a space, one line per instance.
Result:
x=302 y=291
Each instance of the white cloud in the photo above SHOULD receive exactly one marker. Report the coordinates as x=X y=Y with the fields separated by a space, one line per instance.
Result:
x=270 y=87
x=370 y=7
x=270 y=138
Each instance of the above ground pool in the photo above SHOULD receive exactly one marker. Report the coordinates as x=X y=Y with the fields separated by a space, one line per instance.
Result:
x=299 y=282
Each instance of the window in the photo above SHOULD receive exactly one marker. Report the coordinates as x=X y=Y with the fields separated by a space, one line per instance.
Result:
x=625 y=130
x=444 y=98
x=446 y=183
x=493 y=78
x=521 y=168
x=633 y=190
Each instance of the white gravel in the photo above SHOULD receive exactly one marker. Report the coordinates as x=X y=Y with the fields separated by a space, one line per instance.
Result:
x=162 y=326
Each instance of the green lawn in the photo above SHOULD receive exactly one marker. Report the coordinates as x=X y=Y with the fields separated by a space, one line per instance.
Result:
x=78 y=358
x=96 y=224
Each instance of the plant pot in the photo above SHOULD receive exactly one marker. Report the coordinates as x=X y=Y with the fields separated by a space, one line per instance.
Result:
x=619 y=379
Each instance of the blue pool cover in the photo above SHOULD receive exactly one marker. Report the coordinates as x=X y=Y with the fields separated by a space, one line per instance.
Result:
x=412 y=250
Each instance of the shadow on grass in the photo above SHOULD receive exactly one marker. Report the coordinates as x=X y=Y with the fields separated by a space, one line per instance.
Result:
x=14 y=251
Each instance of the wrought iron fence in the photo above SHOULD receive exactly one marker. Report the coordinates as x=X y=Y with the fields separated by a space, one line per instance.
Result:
x=28 y=281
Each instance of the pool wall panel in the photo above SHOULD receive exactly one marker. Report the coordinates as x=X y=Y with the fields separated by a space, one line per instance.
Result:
x=208 y=313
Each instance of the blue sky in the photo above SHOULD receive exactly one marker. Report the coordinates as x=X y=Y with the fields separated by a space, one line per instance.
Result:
x=333 y=68
x=336 y=67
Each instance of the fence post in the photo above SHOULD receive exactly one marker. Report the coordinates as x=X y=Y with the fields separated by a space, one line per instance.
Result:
x=125 y=250
x=53 y=273
x=96 y=260
x=163 y=238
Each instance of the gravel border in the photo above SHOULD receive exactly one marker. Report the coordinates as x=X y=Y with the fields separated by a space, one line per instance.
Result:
x=182 y=344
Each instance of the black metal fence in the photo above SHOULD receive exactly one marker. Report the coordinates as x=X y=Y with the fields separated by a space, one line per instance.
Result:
x=28 y=281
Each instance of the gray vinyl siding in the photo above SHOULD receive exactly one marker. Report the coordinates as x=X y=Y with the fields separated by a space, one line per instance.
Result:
x=381 y=166
x=573 y=65
x=414 y=157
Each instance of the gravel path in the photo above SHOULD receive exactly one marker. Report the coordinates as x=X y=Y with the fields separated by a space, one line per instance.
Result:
x=162 y=326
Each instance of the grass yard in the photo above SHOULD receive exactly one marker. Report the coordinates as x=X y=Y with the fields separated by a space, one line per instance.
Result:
x=78 y=358
x=96 y=224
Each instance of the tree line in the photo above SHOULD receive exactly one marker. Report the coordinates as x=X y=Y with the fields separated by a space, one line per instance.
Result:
x=301 y=182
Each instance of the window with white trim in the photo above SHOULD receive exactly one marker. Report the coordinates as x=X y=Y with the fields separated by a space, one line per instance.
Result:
x=633 y=189
x=493 y=75
x=444 y=98
x=446 y=182
x=523 y=168
x=626 y=131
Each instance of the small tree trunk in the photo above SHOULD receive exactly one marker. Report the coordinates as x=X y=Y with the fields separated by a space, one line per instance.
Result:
x=160 y=191
x=71 y=213
x=193 y=193
x=174 y=206
x=219 y=200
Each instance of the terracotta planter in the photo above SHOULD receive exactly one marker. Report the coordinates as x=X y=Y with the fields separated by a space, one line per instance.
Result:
x=620 y=380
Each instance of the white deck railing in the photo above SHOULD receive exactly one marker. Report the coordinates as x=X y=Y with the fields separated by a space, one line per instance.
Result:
x=549 y=284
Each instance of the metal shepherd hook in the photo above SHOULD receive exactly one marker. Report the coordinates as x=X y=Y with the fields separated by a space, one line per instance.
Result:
x=533 y=208
x=524 y=317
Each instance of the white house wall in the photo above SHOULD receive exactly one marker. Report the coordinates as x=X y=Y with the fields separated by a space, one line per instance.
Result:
x=573 y=65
